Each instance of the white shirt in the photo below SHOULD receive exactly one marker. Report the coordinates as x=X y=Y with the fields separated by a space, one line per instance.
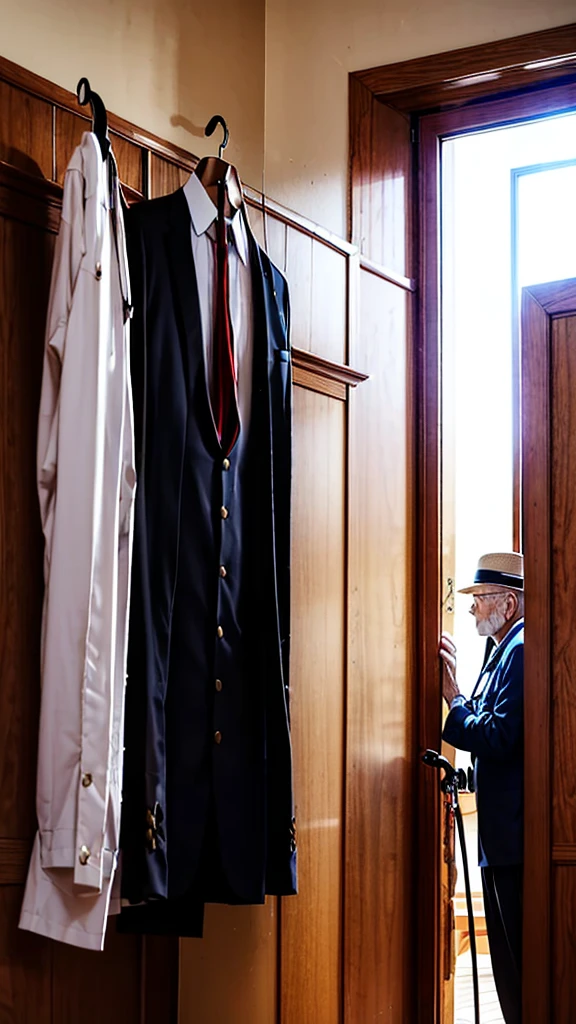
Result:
x=86 y=482
x=203 y=215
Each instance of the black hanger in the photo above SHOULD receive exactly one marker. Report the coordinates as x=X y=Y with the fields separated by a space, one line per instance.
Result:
x=211 y=128
x=99 y=115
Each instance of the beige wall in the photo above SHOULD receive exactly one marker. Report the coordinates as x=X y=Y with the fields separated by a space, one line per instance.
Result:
x=155 y=62
x=278 y=72
x=311 y=45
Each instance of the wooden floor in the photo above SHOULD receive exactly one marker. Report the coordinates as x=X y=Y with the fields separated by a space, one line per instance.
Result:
x=490 y=1012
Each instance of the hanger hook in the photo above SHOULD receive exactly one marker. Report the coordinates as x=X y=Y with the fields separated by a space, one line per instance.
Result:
x=83 y=92
x=211 y=128
x=99 y=116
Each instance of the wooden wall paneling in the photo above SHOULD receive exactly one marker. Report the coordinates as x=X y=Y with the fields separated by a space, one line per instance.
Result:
x=160 y=979
x=84 y=983
x=380 y=858
x=564 y=947
x=329 y=301
x=25 y=967
x=14 y=857
x=230 y=975
x=256 y=220
x=129 y=159
x=165 y=177
x=563 y=537
x=276 y=241
x=300 y=280
x=25 y=261
x=311 y=925
x=69 y=129
x=25 y=131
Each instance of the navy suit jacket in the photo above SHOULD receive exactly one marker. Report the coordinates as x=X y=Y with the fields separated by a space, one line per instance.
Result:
x=167 y=324
x=491 y=727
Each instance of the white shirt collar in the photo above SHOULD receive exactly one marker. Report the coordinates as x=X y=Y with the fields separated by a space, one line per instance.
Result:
x=203 y=213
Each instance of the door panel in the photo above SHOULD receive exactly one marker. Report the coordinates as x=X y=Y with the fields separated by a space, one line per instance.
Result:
x=549 y=503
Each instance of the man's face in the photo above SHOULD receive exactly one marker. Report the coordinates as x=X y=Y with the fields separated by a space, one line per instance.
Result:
x=489 y=611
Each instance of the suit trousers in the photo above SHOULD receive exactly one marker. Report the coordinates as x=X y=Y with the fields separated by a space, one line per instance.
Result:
x=502 y=888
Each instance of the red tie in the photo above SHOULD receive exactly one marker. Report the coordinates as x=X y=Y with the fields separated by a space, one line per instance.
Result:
x=224 y=400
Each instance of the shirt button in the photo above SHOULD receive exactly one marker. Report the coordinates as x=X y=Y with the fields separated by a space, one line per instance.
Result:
x=222 y=571
x=86 y=780
x=84 y=855
x=98 y=271
x=220 y=632
x=226 y=464
x=217 y=737
x=218 y=685
x=224 y=512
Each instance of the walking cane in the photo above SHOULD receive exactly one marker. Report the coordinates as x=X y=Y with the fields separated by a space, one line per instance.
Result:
x=453 y=781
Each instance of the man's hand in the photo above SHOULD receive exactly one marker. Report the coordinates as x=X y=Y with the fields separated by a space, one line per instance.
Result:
x=447 y=652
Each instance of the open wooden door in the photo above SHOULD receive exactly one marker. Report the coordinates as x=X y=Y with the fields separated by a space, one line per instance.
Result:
x=549 y=504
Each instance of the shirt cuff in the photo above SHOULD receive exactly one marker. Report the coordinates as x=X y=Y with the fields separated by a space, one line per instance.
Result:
x=457 y=700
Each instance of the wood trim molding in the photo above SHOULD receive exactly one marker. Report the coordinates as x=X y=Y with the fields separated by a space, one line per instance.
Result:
x=537 y=658
x=457 y=76
x=428 y=586
x=407 y=283
x=321 y=385
x=555 y=301
x=327 y=378
x=29 y=199
x=513 y=74
x=14 y=857
x=302 y=224
x=564 y=854
x=321 y=367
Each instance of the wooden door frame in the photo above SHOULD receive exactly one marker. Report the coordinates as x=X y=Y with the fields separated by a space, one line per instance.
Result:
x=446 y=92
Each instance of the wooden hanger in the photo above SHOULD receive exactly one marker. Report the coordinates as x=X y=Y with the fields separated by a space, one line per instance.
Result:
x=212 y=169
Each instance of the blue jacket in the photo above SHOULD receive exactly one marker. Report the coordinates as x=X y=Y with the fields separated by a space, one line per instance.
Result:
x=491 y=727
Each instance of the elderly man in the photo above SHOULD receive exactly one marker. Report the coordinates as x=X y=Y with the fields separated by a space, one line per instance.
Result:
x=490 y=726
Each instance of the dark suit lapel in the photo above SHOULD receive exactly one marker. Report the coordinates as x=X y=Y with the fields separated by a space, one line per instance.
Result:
x=183 y=276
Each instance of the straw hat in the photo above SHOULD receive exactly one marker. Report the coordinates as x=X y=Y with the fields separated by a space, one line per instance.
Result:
x=505 y=570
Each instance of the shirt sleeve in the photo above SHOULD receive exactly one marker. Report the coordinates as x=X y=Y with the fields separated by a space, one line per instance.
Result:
x=67 y=259
x=497 y=732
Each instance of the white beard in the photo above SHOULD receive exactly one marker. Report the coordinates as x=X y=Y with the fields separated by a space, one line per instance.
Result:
x=492 y=625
